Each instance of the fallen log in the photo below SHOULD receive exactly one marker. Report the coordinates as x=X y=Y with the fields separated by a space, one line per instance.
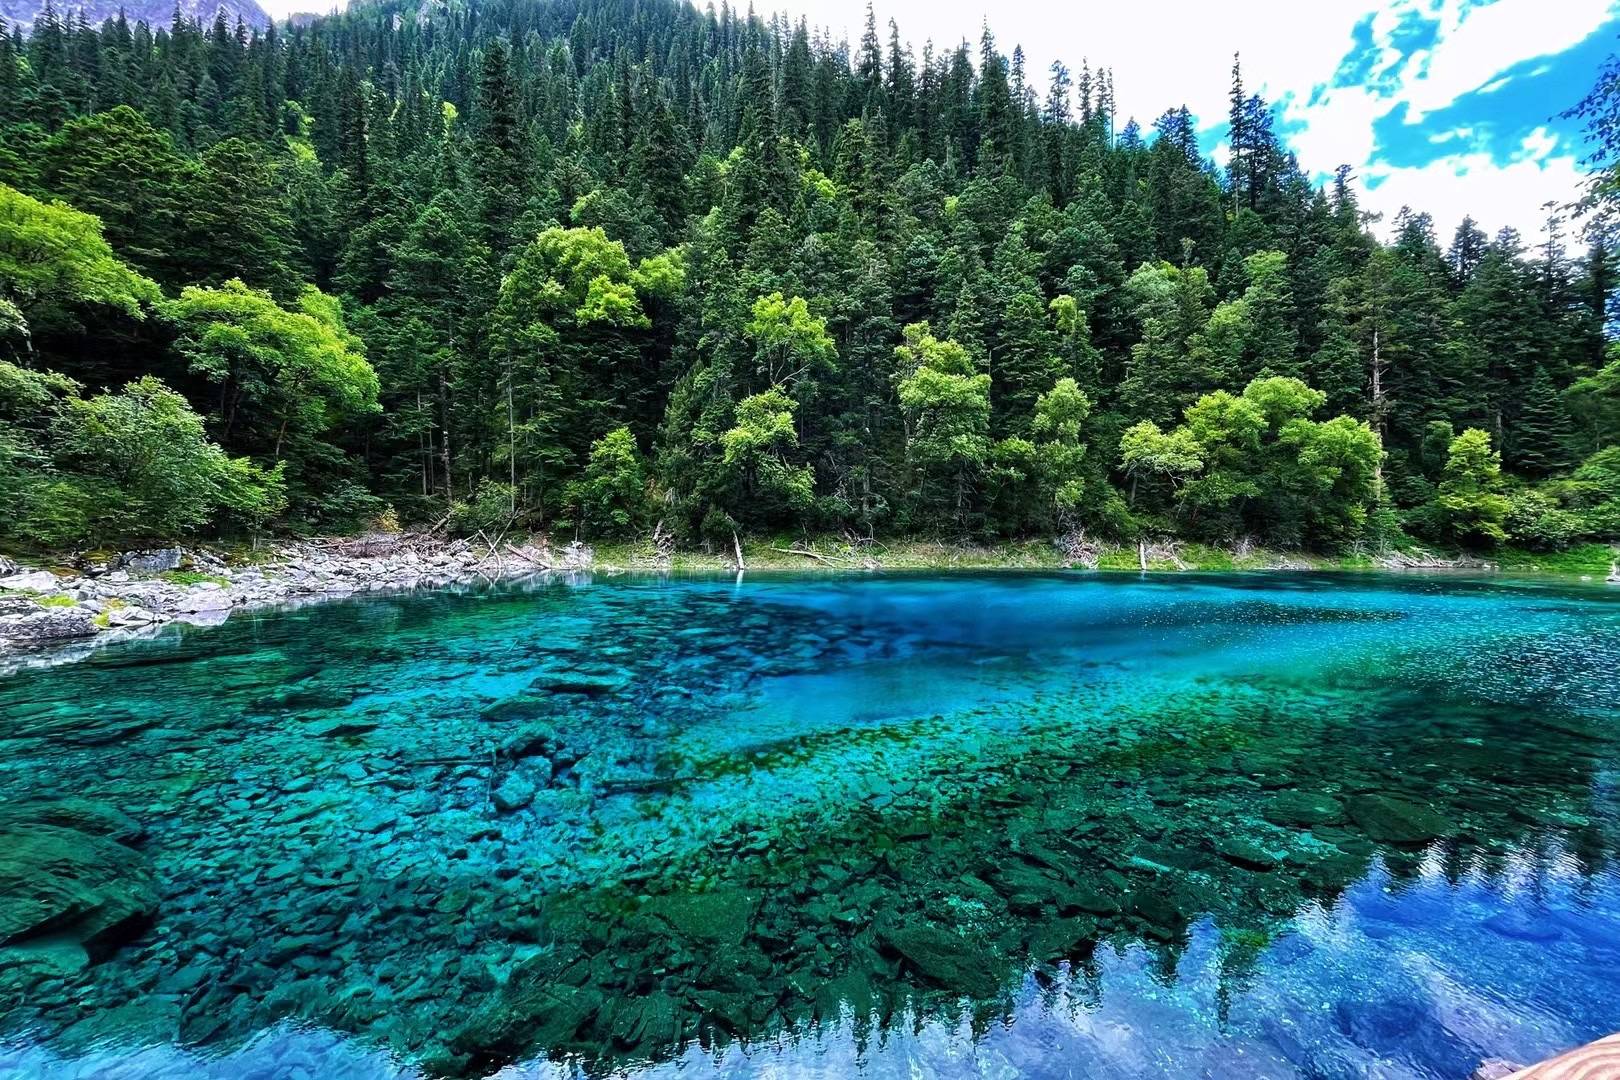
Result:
x=807 y=554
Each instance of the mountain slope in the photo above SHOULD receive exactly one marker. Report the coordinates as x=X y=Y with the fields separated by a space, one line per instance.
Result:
x=154 y=12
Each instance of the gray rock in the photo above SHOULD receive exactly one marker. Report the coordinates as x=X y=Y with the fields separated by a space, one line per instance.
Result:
x=153 y=561
x=202 y=599
x=43 y=627
x=17 y=605
x=34 y=581
x=133 y=616
x=7 y=567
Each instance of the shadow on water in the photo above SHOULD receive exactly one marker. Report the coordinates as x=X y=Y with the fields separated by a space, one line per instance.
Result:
x=618 y=825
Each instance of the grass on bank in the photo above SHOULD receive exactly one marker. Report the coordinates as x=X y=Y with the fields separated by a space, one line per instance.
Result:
x=837 y=553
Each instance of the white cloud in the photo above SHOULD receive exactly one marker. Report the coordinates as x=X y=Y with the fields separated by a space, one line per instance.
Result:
x=1475 y=44
x=1473 y=183
x=1537 y=145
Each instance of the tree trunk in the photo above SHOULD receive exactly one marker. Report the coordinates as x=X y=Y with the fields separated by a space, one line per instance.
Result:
x=424 y=447
x=511 y=445
x=444 y=408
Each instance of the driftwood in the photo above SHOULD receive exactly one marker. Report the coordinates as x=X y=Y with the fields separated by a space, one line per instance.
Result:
x=1419 y=559
x=807 y=554
x=1077 y=548
x=663 y=545
x=737 y=544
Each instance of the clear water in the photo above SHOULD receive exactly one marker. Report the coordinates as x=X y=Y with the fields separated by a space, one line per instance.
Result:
x=1006 y=825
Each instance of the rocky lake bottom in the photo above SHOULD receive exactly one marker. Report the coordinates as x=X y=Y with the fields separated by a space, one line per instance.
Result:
x=1002 y=825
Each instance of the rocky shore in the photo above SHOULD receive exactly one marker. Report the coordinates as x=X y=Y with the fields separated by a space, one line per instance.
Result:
x=50 y=614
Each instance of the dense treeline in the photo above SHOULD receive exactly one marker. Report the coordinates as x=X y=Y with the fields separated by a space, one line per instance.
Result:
x=592 y=265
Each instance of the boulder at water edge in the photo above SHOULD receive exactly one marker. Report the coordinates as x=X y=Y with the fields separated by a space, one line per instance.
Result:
x=44 y=627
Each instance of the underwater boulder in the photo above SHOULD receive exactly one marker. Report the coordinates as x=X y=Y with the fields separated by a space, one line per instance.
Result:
x=942 y=957
x=1304 y=808
x=539 y=1007
x=85 y=815
x=718 y=917
x=1395 y=821
x=515 y=792
x=1247 y=853
x=55 y=879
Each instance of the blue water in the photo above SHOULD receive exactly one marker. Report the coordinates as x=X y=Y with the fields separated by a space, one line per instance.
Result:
x=994 y=825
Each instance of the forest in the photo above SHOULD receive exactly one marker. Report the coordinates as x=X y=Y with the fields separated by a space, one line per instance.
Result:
x=600 y=267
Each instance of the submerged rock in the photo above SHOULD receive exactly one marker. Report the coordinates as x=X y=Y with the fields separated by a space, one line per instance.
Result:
x=584 y=683
x=653 y=1021
x=84 y=815
x=92 y=888
x=1245 y=852
x=943 y=957
x=531 y=740
x=719 y=917
x=516 y=792
x=538 y=1008
x=1304 y=808
x=1396 y=821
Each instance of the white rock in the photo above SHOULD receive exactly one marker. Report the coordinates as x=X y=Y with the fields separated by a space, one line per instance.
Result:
x=202 y=600
x=36 y=581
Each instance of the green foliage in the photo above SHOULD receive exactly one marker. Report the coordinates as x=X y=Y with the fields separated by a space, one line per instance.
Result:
x=489 y=511
x=123 y=466
x=1468 y=502
x=789 y=342
x=53 y=254
x=1259 y=463
x=947 y=411
x=558 y=253
x=759 y=482
x=285 y=370
x=611 y=496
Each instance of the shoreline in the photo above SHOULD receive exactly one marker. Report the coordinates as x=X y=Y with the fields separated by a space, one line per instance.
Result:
x=58 y=609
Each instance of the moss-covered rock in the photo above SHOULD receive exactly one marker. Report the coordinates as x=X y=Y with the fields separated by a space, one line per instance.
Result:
x=718 y=917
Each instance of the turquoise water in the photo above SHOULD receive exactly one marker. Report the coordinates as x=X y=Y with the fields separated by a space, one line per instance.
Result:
x=996 y=825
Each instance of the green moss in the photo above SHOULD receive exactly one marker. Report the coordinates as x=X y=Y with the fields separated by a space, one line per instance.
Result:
x=192 y=577
x=1119 y=559
x=1204 y=557
x=103 y=620
x=1581 y=559
x=55 y=601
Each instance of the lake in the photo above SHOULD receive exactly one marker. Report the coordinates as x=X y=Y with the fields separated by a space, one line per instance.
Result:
x=999 y=825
